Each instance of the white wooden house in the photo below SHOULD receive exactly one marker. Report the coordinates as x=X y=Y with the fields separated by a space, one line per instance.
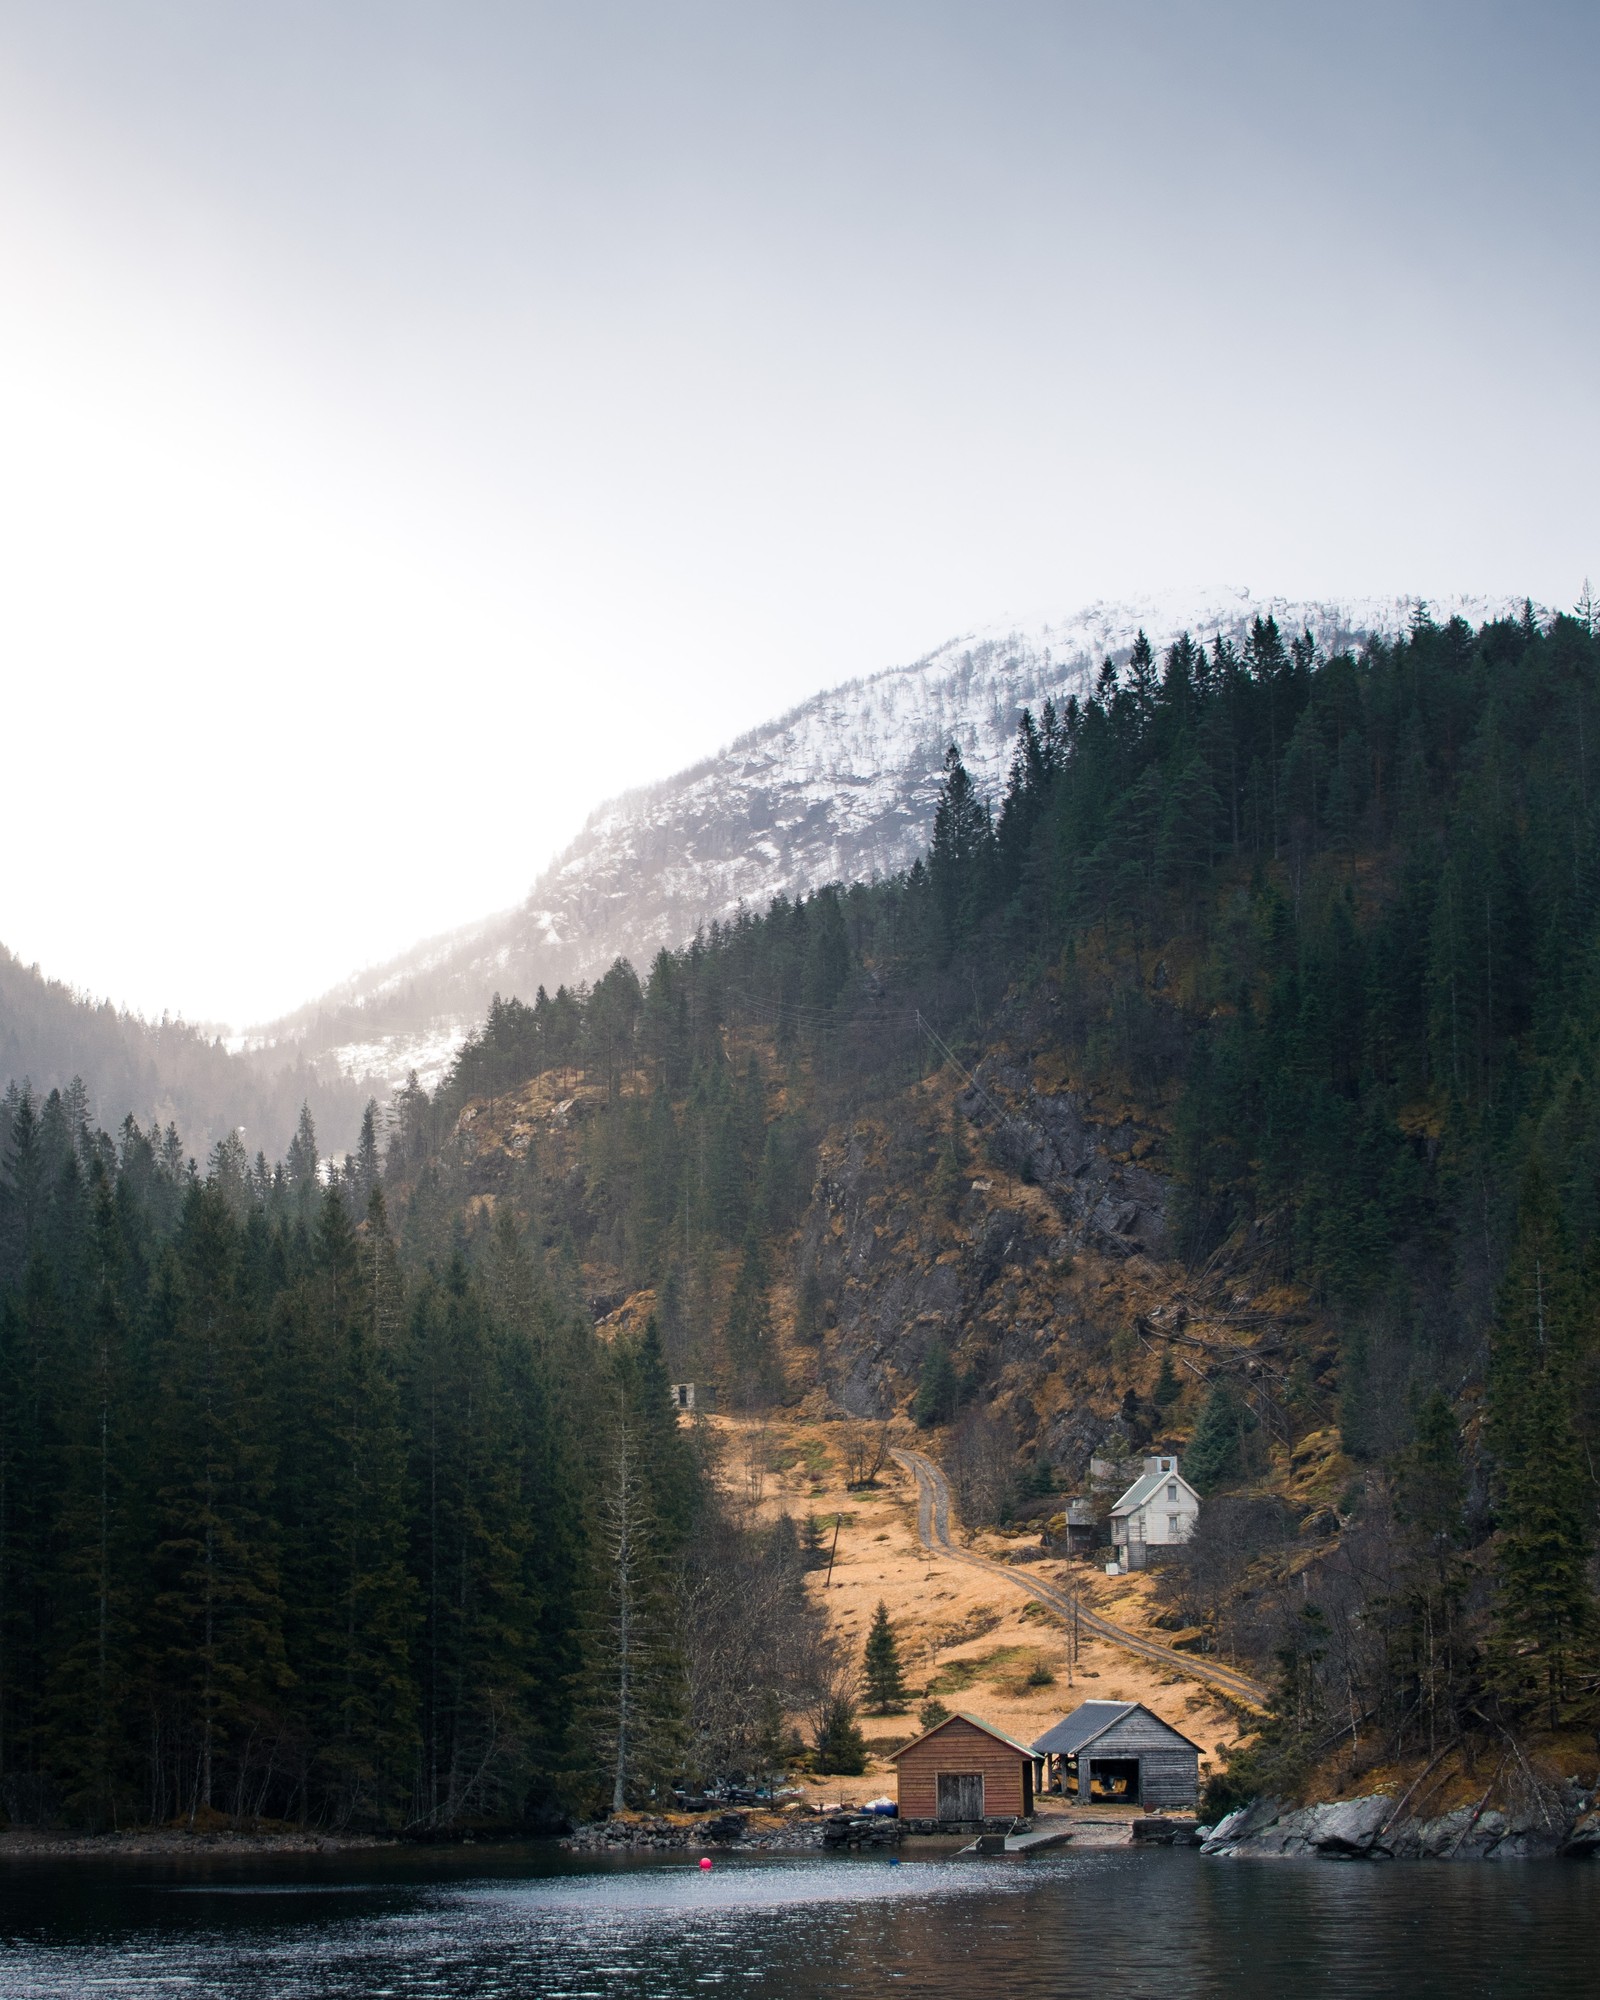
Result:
x=1158 y=1511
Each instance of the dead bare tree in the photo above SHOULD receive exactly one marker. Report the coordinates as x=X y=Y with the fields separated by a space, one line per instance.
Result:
x=866 y=1451
x=981 y=1462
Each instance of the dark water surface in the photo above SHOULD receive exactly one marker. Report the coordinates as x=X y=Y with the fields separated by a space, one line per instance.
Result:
x=489 y=1925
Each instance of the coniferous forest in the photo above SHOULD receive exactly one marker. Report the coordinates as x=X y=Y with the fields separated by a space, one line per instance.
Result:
x=322 y=1498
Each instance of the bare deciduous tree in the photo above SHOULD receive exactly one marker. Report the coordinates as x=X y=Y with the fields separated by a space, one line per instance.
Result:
x=866 y=1450
x=981 y=1462
x=753 y=1641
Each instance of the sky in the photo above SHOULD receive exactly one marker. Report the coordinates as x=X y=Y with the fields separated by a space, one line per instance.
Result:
x=418 y=422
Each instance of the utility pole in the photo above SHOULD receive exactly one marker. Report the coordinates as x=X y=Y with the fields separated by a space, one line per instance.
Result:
x=828 y=1579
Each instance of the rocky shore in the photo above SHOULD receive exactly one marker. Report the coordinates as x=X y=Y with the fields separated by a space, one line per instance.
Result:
x=36 y=1844
x=728 y=1833
x=1368 y=1829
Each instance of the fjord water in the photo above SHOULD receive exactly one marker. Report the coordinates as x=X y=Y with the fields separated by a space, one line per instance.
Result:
x=521 y=1924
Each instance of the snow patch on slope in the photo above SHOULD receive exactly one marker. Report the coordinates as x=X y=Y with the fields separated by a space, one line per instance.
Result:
x=842 y=788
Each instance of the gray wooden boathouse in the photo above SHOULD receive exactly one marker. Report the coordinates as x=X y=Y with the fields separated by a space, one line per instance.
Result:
x=1125 y=1750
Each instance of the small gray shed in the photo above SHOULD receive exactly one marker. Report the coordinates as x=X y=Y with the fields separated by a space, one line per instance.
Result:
x=1125 y=1749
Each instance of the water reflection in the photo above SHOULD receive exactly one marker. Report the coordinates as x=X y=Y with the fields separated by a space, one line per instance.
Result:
x=520 y=1926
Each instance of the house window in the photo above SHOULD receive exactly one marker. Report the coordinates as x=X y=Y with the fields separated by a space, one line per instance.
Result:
x=1172 y=1527
x=1172 y=1493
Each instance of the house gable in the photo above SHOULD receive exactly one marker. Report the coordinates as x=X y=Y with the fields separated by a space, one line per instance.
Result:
x=972 y=1722
x=1145 y=1488
x=1096 y=1721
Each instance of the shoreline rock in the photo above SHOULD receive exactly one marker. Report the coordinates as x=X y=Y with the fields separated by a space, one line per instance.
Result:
x=726 y=1833
x=32 y=1844
x=1364 y=1830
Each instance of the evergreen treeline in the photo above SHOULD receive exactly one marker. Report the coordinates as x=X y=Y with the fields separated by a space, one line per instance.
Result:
x=295 y=1529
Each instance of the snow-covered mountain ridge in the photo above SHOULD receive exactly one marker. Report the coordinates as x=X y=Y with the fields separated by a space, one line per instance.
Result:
x=842 y=788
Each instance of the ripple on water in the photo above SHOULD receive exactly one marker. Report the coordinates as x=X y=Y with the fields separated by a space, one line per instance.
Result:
x=1053 y=1928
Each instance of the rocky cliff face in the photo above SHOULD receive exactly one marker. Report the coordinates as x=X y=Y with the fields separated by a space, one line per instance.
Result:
x=1044 y=1265
x=1035 y=1268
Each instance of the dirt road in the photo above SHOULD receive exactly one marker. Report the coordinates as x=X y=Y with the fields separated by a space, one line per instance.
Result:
x=933 y=1526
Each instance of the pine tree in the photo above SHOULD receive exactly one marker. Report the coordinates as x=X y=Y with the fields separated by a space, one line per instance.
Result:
x=809 y=1311
x=666 y=1452
x=754 y=1369
x=841 y=1749
x=1216 y=1454
x=1430 y=1652
x=772 y=1740
x=1168 y=1388
x=959 y=856
x=827 y=954
x=216 y=1635
x=1545 y=1605
x=886 y=1688
x=1143 y=681
x=303 y=1158
x=475 y=1541
x=937 y=1389
x=351 y=1614
x=92 y=1698
x=366 y=1172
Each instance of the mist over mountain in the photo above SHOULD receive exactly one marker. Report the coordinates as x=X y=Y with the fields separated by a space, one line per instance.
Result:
x=163 y=1072
x=841 y=788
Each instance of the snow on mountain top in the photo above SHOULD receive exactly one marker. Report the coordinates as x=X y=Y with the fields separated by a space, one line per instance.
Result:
x=857 y=767
x=841 y=788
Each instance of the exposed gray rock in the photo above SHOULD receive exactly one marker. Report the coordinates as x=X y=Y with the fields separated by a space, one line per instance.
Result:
x=1349 y=1828
x=1235 y=1828
x=1585 y=1836
x=1529 y=1844
x=1358 y=1830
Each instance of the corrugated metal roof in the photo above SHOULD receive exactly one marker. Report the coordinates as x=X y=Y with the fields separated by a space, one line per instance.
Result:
x=1070 y=1735
x=1093 y=1719
x=977 y=1722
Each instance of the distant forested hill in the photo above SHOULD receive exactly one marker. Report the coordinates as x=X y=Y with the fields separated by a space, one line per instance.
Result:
x=162 y=1073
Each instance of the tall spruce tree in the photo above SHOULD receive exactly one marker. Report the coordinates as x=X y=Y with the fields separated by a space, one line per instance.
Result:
x=214 y=1641
x=937 y=1388
x=881 y=1669
x=1545 y=1606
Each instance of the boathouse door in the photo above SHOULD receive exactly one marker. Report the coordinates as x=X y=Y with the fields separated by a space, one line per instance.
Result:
x=961 y=1795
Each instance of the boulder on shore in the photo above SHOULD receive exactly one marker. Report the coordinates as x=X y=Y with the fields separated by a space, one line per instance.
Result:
x=1361 y=1830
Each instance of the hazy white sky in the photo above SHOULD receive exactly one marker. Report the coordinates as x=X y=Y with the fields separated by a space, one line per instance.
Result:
x=419 y=421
